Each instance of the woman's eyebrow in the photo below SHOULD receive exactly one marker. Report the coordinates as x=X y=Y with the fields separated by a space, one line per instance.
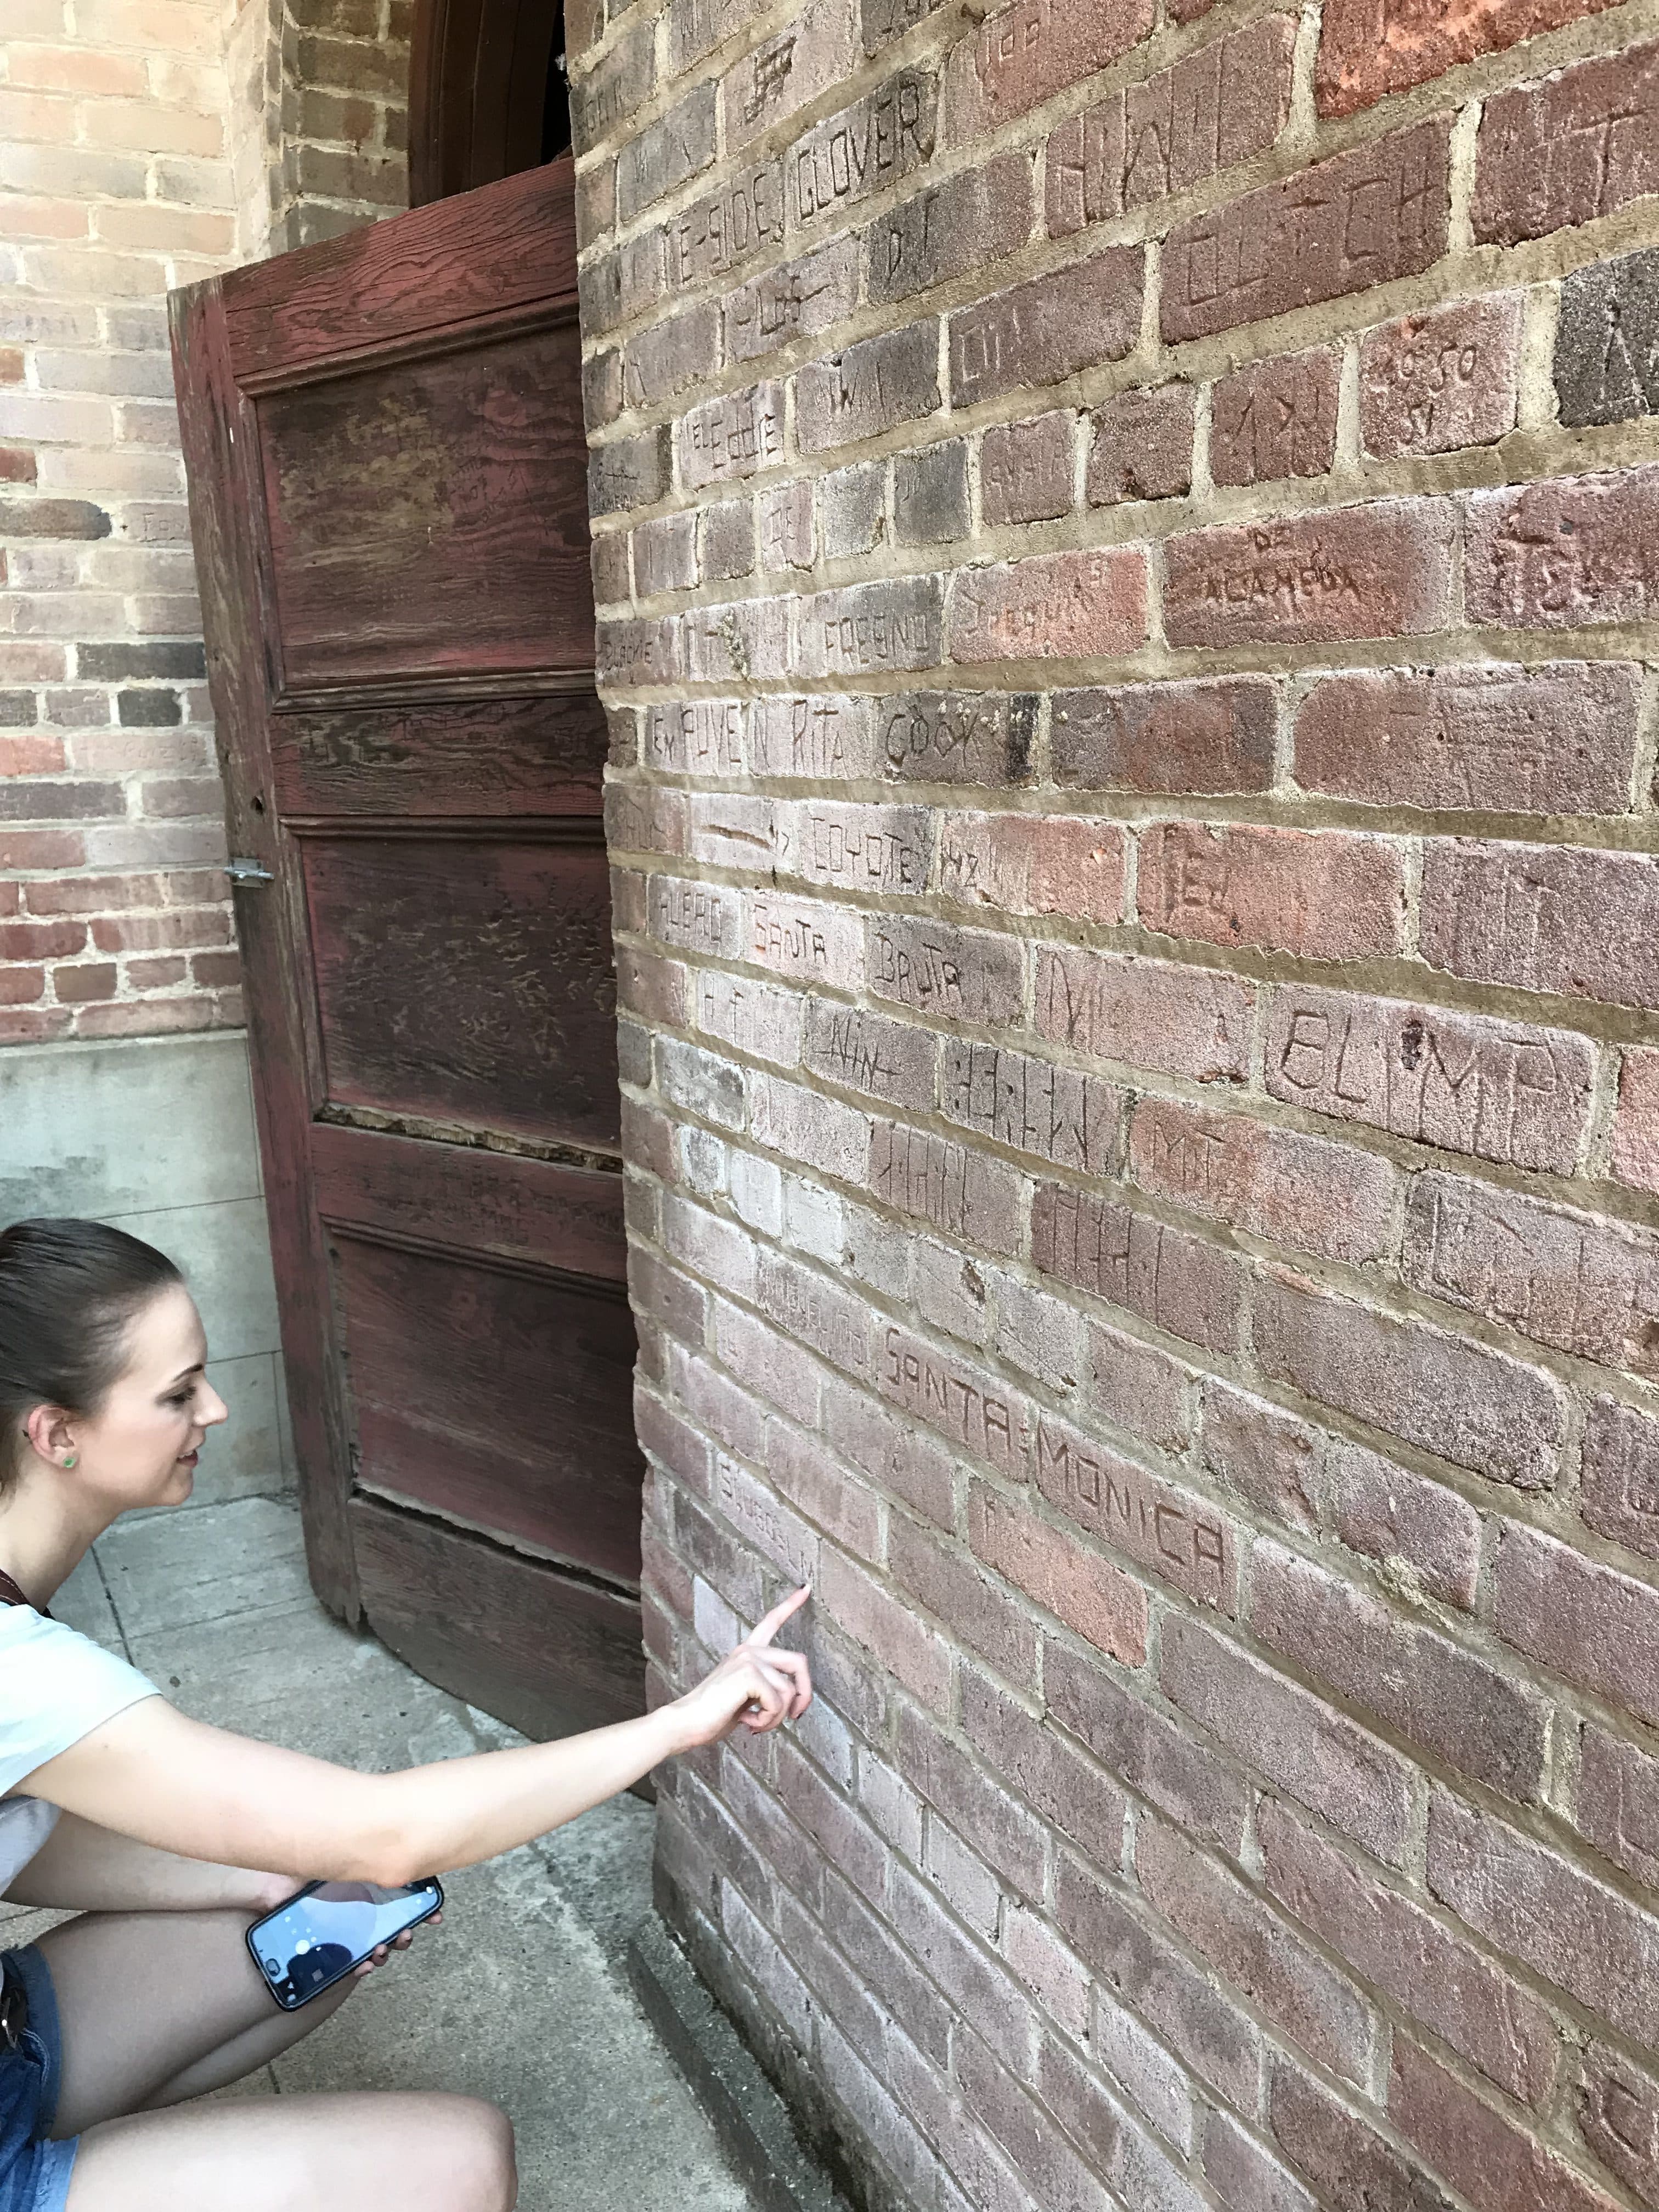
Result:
x=199 y=1368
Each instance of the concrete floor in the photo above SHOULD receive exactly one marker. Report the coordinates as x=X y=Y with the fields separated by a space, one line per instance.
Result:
x=518 y=1997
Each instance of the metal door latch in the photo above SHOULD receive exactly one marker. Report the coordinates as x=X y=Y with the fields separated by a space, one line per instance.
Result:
x=248 y=872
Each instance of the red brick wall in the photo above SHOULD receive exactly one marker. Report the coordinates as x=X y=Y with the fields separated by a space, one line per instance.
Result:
x=143 y=143
x=1128 y=545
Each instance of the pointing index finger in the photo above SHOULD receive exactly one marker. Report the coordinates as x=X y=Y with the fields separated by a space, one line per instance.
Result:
x=766 y=1628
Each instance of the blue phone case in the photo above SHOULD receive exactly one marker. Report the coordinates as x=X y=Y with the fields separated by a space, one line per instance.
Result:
x=316 y=1965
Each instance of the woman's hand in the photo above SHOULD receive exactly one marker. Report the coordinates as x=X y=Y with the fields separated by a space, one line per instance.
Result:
x=378 y=1957
x=754 y=1687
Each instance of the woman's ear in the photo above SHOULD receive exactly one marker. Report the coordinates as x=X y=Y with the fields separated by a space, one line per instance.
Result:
x=50 y=1430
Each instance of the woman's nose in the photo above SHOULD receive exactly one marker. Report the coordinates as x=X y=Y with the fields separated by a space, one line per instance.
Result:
x=211 y=1409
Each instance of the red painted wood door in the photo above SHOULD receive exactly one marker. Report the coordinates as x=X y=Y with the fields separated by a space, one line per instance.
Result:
x=388 y=495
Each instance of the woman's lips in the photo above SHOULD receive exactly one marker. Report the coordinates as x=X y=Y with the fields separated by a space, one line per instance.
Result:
x=188 y=1459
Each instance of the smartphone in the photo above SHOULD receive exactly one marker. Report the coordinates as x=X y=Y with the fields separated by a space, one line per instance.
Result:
x=328 y=1928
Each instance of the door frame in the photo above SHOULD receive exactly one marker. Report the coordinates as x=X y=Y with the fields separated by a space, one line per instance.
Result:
x=477 y=82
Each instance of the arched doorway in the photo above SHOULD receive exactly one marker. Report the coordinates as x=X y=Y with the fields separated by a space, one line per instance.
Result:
x=487 y=93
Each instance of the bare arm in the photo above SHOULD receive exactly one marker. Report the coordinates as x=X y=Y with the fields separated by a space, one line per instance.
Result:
x=179 y=1785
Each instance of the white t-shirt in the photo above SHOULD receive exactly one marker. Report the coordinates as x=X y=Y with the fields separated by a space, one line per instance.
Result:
x=56 y=1685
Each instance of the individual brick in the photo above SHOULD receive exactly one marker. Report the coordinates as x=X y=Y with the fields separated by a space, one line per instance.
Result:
x=1423 y=1535
x=1184 y=737
x=1087 y=1593
x=1580 y=144
x=1556 y=740
x=786 y=527
x=1537 y=1907
x=1430 y=384
x=782 y=74
x=1146 y=1013
x=726 y=531
x=1160 y=1525
x=1585 y=1285
x=661 y=361
x=934 y=737
x=1583 y=924
x=665 y=556
x=1249 y=1944
x=1466 y=1082
x=1030 y=1105
x=1275 y=1183
x=1389 y=1940
x=1142 y=445
x=1418 y=1683
x=1034 y=864
x=978 y=1612
x=962 y=1191
x=1179 y=1281
x=722 y=232
x=930 y=494
x=1275 y=418
x=1261 y=1453
x=958 y=974
x=732 y=436
x=880 y=139
x=896 y=624
x=1325 y=895
x=1065 y=606
x=1214 y=108
x=1367 y=51
x=1140 y=1389
x=852 y=510
x=1027 y=472
x=666 y=153
x=1026 y=52
x=801 y=298
x=1476 y=1408
x=1380 y=570
x=1606 y=340
x=1291 y=1737
x=865 y=1052
x=870 y=388
x=1359 y=219
x=628 y=472
x=1564 y=554
x=978 y=217
x=1586 y=1621
x=1049 y=329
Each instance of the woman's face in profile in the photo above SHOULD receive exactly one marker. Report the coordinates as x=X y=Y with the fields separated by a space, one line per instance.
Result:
x=140 y=1448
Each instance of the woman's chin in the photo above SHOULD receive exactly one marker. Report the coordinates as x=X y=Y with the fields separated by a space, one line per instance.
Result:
x=179 y=1483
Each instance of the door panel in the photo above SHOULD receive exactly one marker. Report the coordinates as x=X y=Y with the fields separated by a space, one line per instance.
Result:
x=387 y=476
x=467 y=757
x=467 y=980
x=497 y=1397
x=463 y=543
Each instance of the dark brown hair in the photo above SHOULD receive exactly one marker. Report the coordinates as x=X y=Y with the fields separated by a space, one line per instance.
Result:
x=70 y=1292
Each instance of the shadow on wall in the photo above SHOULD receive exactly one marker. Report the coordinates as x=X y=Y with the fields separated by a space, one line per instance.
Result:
x=156 y=1135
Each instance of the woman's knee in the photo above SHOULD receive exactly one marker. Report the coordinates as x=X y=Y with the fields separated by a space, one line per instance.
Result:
x=480 y=2136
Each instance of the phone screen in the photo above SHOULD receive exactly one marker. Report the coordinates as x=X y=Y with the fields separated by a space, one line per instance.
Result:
x=330 y=1927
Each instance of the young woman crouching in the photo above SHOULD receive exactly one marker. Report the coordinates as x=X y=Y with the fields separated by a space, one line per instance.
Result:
x=170 y=1838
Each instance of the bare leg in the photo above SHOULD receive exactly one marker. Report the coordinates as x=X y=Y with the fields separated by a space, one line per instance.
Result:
x=352 y=2153
x=158 y=2006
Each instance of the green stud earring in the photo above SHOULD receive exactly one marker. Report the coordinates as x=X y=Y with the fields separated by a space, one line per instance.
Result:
x=71 y=1461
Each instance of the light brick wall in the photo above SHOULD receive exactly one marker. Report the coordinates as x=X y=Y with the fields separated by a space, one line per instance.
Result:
x=1128 y=539
x=127 y=166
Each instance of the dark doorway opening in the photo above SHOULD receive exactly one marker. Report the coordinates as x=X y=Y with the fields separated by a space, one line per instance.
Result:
x=487 y=94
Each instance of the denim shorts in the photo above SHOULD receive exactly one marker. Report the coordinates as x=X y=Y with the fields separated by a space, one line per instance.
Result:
x=35 y=2174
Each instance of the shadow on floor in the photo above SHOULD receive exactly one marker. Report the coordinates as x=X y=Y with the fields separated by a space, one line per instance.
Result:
x=520 y=1997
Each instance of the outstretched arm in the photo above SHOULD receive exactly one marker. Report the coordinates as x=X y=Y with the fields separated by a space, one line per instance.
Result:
x=182 y=1786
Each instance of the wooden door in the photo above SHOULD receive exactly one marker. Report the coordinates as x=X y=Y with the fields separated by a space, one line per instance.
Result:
x=387 y=479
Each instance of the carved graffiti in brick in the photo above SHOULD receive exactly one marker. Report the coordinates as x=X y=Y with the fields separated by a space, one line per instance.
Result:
x=1360 y=219
x=1468 y=1082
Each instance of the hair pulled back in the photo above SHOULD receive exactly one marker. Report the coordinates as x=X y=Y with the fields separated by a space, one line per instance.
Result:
x=70 y=1290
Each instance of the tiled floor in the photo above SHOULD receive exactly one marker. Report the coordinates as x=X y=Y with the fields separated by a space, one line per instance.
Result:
x=517 y=1997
